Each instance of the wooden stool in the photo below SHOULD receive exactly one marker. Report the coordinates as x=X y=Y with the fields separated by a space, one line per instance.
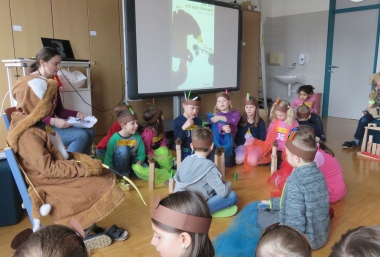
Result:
x=220 y=161
x=152 y=171
x=273 y=166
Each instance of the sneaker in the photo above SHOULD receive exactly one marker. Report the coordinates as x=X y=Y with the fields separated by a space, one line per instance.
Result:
x=349 y=144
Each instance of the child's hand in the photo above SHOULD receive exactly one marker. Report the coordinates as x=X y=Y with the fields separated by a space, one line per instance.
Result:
x=81 y=115
x=226 y=129
x=188 y=123
x=264 y=205
x=218 y=118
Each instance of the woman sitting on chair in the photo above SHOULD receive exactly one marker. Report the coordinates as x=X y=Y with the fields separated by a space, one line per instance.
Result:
x=47 y=65
x=78 y=188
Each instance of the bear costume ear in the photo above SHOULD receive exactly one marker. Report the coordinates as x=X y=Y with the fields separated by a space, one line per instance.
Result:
x=21 y=238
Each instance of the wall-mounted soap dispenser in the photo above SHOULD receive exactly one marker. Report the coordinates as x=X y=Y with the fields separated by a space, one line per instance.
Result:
x=301 y=58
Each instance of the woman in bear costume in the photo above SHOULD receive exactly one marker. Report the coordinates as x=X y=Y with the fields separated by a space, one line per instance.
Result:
x=78 y=188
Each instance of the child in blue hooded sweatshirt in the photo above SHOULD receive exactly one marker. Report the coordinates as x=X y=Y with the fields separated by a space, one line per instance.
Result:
x=197 y=173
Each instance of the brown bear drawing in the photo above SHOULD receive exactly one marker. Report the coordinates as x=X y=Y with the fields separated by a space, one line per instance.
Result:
x=183 y=25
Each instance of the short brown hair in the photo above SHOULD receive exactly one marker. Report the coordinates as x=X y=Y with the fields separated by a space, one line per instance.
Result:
x=200 y=134
x=54 y=240
x=303 y=112
x=304 y=141
x=282 y=241
x=360 y=241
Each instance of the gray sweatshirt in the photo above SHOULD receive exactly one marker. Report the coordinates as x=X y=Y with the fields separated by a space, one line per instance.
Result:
x=304 y=204
x=199 y=174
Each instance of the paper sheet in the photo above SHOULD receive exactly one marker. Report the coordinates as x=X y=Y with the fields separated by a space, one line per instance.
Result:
x=88 y=122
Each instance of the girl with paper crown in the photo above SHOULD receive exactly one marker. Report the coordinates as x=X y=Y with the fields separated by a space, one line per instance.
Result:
x=79 y=189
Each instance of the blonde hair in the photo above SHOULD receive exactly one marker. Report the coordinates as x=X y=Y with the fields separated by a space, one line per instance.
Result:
x=225 y=96
x=201 y=133
x=290 y=117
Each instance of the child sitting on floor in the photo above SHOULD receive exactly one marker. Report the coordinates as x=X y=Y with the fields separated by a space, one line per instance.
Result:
x=198 y=173
x=184 y=124
x=225 y=120
x=250 y=127
x=304 y=204
x=303 y=115
x=125 y=147
x=101 y=148
x=153 y=136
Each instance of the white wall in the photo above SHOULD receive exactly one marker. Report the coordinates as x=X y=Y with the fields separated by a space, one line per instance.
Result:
x=291 y=7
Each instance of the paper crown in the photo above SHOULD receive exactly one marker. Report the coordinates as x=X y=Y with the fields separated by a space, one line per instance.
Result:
x=179 y=220
x=306 y=155
x=155 y=116
x=205 y=143
x=194 y=101
x=250 y=100
x=280 y=108
x=223 y=94
x=303 y=115
x=127 y=116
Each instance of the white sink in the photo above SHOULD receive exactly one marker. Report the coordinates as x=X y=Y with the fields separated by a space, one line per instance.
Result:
x=290 y=80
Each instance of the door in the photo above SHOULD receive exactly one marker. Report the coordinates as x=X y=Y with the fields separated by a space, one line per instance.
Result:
x=352 y=62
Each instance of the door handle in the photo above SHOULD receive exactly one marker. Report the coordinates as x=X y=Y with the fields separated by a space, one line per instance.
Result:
x=334 y=66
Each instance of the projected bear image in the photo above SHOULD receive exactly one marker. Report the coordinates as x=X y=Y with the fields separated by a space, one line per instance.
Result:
x=193 y=42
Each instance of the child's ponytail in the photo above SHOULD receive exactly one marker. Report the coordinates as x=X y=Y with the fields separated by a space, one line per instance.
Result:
x=325 y=148
x=153 y=117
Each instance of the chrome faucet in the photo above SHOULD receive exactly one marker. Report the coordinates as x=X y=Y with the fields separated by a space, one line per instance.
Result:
x=294 y=64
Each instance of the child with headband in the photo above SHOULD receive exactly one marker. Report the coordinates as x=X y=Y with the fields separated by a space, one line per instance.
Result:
x=101 y=148
x=326 y=161
x=304 y=203
x=283 y=121
x=125 y=147
x=184 y=124
x=250 y=127
x=225 y=120
x=153 y=136
x=180 y=223
x=199 y=174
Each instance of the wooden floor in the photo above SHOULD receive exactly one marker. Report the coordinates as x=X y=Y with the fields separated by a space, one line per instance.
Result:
x=359 y=207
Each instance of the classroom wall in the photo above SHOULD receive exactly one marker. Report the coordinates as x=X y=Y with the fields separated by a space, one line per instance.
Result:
x=105 y=53
x=293 y=27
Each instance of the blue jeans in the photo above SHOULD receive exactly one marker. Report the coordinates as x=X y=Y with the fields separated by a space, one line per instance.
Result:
x=122 y=160
x=217 y=203
x=77 y=139
x=101 y=152
x=363 y=122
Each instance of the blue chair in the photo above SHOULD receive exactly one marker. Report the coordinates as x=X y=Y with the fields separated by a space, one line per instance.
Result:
x=14 y=166
x=20 y=182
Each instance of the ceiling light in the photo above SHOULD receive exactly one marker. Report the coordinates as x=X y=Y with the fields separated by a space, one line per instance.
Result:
x=356 y=1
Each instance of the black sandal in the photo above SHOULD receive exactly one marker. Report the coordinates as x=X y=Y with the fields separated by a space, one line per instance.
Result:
x=116 y=233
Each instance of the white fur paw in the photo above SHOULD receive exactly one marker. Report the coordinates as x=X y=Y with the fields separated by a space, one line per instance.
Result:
x=45 y=209
x=36 y=224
